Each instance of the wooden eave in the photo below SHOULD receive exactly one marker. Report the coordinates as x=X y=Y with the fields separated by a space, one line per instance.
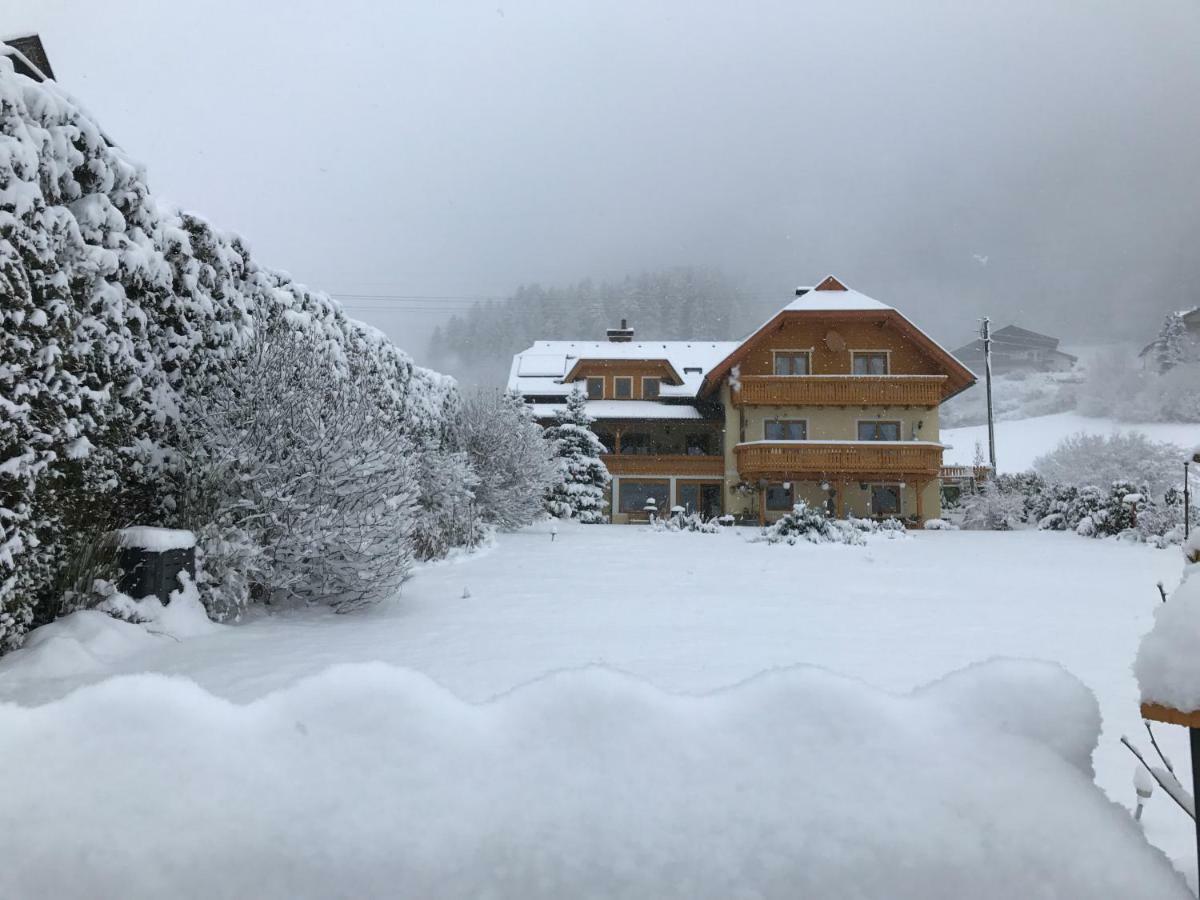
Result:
x=662 y=365
x=958 y=376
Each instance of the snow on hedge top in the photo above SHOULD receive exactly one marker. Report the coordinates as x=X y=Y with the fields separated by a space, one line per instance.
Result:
x=1167 y=664
x=156 y=540
x=535 y=372
x=372 y=781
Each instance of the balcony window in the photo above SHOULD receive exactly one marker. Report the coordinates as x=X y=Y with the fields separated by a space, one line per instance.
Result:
x=698 y=444
x=632 y=496
x=870 y=362
x=780 y=497
x=635 y=443
x=650 y=388
x=885 y=499
x=595 y=388
x=785 y=430
x=606 y=438
x=623 y=388
x=791 y=362
x=878 y=431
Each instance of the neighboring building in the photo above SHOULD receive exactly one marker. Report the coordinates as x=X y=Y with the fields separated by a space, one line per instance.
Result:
x=1157 y=355
x=834 y=401
x=28 y=56
x=1016 y=349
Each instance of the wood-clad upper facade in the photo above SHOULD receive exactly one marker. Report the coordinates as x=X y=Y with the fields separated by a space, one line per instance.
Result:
x=833 y=401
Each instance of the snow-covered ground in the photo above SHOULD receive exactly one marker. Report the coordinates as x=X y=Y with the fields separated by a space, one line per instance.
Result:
x=1019 y=442
x=687 y=612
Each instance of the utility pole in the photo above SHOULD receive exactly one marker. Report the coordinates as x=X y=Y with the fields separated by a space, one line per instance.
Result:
x=986 y=333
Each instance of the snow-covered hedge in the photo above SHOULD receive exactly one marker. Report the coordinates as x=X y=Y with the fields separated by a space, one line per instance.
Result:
x=142 y=381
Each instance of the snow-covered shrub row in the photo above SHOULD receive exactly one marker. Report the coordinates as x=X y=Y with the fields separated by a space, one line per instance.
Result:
x=150 y=373
x=579 y=491
x=1083 y=459
x=585 y=784
x=809 y=523
x=1121 y=508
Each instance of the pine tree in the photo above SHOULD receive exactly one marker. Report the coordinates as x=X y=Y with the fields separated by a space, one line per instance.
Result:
x=580 y=494
x=1175 y=345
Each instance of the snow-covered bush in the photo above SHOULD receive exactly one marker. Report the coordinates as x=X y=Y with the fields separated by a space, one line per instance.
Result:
x=121 y=319
x=810 y=523
x=681 y=520
x=513 y=461
x=991 y=508
x=939 y=525
x=579 y=491
x=1099 y=459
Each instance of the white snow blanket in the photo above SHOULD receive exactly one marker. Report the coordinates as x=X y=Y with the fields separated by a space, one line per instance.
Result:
x=371 y=781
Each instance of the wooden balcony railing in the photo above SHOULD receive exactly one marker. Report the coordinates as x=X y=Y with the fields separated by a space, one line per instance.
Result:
x=663 y=464
x=962 y=473
x=840 y=390
x=832 y=458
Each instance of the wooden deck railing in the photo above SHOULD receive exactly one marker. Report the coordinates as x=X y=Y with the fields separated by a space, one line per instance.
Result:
x=826 y=458
x=840 y=390
x=663 y=464
x=961 y=473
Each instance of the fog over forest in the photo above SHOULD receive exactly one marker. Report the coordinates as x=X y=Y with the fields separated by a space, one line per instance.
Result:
x=1034 y=161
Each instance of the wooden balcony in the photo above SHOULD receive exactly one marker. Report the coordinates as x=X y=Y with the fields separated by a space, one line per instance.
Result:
x=965 y=473
x=867 y=460
x=840 y=390
x=664 y=464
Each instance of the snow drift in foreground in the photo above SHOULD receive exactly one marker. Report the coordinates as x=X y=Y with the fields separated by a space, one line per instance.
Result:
x=372 y=781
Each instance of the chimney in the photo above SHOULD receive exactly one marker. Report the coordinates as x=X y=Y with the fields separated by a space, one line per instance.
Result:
x=622 y=335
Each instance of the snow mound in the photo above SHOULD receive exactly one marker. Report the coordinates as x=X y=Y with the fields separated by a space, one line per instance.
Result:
x=372 y=781
x=158 y=540
x=1167 y=664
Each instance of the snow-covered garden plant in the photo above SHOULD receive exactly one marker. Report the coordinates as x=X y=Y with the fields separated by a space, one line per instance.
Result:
x=1099 y=459
x=515 y=464
x=990 y=508
x=810 y=523
x=583 y=479
x=681 y=520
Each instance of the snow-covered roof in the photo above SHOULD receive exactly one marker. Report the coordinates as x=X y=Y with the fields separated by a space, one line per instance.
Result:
x=537 y=371
x=625 y=409
x=835 y=301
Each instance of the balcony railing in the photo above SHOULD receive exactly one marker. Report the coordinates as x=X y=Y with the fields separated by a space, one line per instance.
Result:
x=832 y=458
x=840 y=390
x=663 y=464
x=965 y=473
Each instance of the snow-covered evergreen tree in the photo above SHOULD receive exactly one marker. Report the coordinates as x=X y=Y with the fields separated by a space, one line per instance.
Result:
x=1174 y=346
x=579 y=494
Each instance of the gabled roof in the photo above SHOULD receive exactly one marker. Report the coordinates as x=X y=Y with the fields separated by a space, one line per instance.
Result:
x=540 y=370
x=28 y=56
x=1014 y=334
x=833 y=297
x=661 y=365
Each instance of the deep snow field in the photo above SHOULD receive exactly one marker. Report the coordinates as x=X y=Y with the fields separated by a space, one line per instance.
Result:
x=689 y=613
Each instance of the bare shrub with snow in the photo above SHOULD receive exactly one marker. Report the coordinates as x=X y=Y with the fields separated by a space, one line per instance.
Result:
x=682 y=520
x=513 y=461
x=1100 y=459
x=991 y=509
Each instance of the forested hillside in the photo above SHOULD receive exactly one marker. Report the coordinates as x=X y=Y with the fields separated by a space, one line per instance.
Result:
x=152 y=373
x=679 y=303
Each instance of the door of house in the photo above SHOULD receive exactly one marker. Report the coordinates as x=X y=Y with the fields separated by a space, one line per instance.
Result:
x=710 y=500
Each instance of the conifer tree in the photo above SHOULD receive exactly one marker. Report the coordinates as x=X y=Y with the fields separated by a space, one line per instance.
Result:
x=580 y=493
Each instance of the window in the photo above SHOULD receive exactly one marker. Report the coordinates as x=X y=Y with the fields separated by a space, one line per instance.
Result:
x=623 y=388
x=874 y=362
x=885 y=499
x=606 y=438
x=698 y=444
x=791 y=362
x=650 y=388
x=595 y=388
x=779 y=497
x=632 y=496
x=785 y=430
x=878 y=431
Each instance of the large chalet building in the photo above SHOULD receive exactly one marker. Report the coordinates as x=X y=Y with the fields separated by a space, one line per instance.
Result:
x=833 y=401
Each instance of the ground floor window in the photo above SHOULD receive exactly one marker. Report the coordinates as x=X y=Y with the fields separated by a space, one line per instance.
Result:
x=632 y=496
x=699 y=497
x=885 y=499
x=780 y=496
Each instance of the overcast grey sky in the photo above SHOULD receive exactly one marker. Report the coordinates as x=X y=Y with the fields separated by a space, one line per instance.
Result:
x=461 y=148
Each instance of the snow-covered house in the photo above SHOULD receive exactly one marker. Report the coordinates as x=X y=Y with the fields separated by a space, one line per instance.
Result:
x=834 y=401
x=1178 y=340
x=1016 y=349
